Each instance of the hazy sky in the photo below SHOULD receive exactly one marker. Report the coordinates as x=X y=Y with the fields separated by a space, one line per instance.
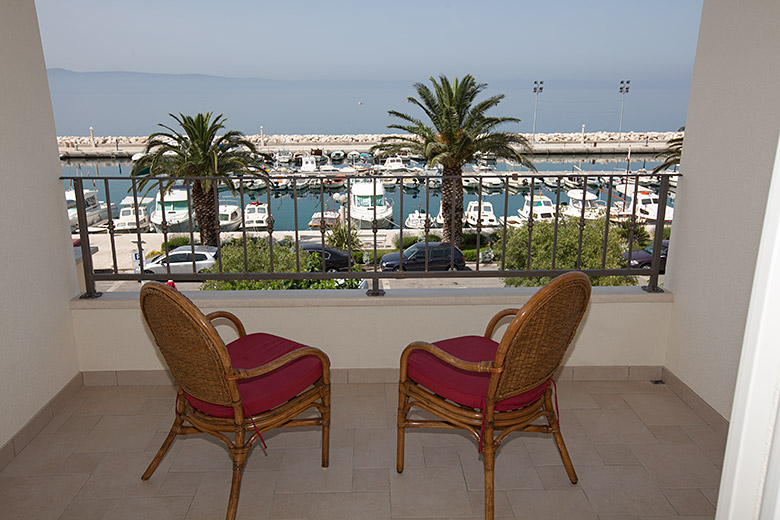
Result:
x=395 y=39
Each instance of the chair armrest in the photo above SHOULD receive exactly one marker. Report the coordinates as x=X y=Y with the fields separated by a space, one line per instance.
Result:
x=482 y=366
x=498 y=317
x=241 y=373
x=232 y=317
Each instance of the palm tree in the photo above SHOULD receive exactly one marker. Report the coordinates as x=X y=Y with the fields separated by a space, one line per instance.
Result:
x=671 y=155
x=458 y=130
x=196 y=152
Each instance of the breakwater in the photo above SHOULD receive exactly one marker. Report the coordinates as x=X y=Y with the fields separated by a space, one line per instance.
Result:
x=79 y=147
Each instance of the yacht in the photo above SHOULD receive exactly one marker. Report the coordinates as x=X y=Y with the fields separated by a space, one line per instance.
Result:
x=368 y=202
x=647 y=204
x=484 y=216
x=256 y=216
x=229 y=217
x=543 y=208
x=417 y=219
x=578 y=199
x=176 y=208
x=97 y=210
x=127 y=217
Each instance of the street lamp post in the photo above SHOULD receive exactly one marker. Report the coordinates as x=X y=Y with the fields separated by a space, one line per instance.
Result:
x=624 y=88
x=538 y=88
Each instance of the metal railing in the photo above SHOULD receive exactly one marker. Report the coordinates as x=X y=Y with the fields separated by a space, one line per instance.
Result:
x=371 y=271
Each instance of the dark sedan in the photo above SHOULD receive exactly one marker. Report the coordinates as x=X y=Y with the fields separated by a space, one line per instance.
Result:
x=335 y=259
x=438 y=254
x=644 y=257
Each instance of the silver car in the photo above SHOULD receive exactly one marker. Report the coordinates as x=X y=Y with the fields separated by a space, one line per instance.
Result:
x=180 y=260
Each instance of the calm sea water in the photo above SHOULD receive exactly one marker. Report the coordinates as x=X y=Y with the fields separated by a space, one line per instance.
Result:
x=284 y=205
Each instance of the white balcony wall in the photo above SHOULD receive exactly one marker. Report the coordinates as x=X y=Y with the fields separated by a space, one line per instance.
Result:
x=623 y=327
x=38 y=277
x=730 y=143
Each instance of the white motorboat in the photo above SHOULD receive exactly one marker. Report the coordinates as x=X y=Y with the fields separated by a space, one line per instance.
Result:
x=491 y=181
x=283 y=156
x=519 y=181
x=308 y=164
x=593 y=207
x=127 y=217
x=256 y=216
x=280 y=182
x=483 y=216
x=394 y=164
x=330 y=218
x=97 y=210
x=543 y=208
x=229 y=217
x=470 y=182
x=417 y=219
x=647 y=204
x=410 y=182
x=368 y=202
x=175 y=207
x=334 y=182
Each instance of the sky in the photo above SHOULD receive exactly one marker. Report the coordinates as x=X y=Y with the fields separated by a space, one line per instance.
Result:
x=571 y=45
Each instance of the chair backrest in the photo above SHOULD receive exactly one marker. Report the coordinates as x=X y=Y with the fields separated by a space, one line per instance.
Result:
x=192 y=348
x=534 y=344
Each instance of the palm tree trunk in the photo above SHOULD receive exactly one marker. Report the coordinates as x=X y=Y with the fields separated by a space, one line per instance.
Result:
x=452 y=205
x=206 y=213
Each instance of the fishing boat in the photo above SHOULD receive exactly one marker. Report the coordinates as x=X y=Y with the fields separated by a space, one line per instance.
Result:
x=229 y=217
x=647 y=204
x=334 y=182
x=173 y=207
x=96 y=210
x=584 y=204
x=475 y=216
x=256 y=216
x=543 y=208
x=417 y=219
x=368 y=203
x=330 y=218
x=126 y=222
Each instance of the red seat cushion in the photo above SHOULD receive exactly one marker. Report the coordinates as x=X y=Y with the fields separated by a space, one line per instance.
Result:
x=268 y=391
x=461 y=386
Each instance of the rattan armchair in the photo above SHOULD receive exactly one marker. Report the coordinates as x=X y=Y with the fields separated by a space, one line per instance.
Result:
x=235 y=391
x=485 y=387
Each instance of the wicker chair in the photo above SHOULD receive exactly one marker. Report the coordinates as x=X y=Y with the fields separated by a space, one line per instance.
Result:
x=475 y=383
x=236 y=391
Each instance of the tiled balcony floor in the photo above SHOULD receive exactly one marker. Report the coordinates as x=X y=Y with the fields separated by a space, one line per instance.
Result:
x=640 y=453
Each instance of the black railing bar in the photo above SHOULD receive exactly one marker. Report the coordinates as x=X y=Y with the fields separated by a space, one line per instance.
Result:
x=606 y=225
x=164 y=225
x=556 y=220
x=633 y=218
x=506 y=223
x=655 y=265
x=578 y=263
x=401 y=231
x=270 y=228
x=215 y=189
x=530 y=226
x=243 y=226
x=479 y=227
x=190 y=220
x=295 y=225
x=141 y=258
x=111 y=226
x=86 y=253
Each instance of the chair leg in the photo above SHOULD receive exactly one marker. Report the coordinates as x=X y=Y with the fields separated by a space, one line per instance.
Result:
x=239 y=458
x=403 y=400
x=552 y=419
x=166 y=445
x=489 y=459
x=325 y=426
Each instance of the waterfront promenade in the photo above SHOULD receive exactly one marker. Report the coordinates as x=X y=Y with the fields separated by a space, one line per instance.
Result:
x=112 y=147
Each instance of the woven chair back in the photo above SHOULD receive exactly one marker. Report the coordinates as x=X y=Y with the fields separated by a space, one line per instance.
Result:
x=534 y=344
x=191 y=346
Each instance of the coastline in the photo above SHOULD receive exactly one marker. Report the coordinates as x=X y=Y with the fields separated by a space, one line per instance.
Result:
x=113 y=147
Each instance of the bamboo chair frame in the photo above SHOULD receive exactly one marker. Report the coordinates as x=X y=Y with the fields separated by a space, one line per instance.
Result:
x=203 y=335
x=571 y=292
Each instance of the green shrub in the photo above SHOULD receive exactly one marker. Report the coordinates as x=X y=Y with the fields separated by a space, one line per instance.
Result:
x=413 y=239
x=176 y=241
x=640 y=237
x=470 y=255
x=566 y=251
x=339 y=236
x=667 y=232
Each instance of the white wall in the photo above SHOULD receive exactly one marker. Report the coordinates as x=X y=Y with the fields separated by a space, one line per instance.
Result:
x=623 y=326
x=37 y=277
x=730 y=142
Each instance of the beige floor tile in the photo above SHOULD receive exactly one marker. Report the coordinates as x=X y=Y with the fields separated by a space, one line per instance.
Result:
x=115 y=400
x=708 y=441
x=551 y=504
x=572 y=395
x=377 y=447
x=20 y=497
x=672 y=434
x=609 y=401
x=301 y=472
x=583 y=453
x=118 y=433
x=180 y=484
x=622 y=387
x=343 y=390
x=268 y=460
x=42 y=456
x=554 y=477
x=211 y=499
x=620 y=490
x=375 y=389
x=86 y=509
x=443 y=437
x=350 y=506
x=711 y=494
x=295 y=506
x=429 y=492
x=81 y=463
x=617 y=455
x=119 y=476
x=501 y=505
x=513 y=470
x=614 y=427
x=678 y=465
x=689 y=501
x=158 y=406
x=341 y=439
x=200 y=453
x=156 y=508
x=661 y=408
x=294 y=438
x=359 y=412
x=441 y=456
x=371 y=479
x=675 y=517
x=542 y=449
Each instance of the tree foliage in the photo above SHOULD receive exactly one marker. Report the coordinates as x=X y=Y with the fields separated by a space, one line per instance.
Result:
x=454 y=129
x=566 y=246
x=671 y=156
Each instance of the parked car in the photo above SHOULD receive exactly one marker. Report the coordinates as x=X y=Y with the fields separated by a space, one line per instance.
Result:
x=644 y=257
x=335 y=259
x=438 y=254
x=180 y=260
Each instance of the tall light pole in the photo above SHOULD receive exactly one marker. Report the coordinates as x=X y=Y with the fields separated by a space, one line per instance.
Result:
x=538 y=88
x=624 y=88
